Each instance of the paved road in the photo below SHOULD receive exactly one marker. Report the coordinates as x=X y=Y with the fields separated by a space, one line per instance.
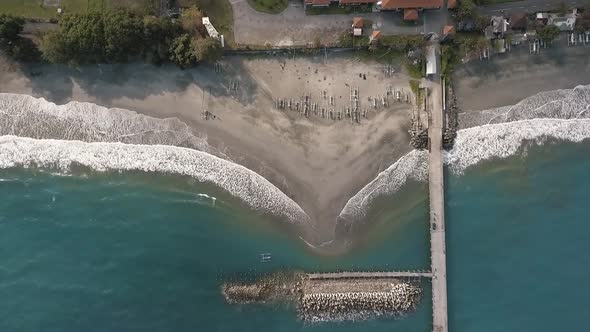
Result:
x=526 y=6
x=293 y=27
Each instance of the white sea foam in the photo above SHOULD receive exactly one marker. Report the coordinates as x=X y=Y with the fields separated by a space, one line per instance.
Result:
x=503 y=140
x=413 y=165
x=26 y=116
x=237 y=180
x=510 y=127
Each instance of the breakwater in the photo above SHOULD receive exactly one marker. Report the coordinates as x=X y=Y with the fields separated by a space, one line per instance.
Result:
x=402 y=297
x=329 y=299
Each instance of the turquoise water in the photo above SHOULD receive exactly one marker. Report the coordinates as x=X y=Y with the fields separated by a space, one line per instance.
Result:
x=123 y=252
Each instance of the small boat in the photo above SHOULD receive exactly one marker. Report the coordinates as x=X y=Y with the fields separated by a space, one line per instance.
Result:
x=265 y=257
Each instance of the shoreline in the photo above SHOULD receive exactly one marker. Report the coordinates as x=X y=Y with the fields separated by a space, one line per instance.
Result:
x=296 y=155
x=517 y=75
x=317 y=162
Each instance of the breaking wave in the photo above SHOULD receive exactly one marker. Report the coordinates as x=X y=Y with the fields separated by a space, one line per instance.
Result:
x=486 y=135
x=562 y=114
x=237 y=180
x=26 y=116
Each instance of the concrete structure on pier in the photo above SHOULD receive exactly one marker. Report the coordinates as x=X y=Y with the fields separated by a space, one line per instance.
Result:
x=369 y=275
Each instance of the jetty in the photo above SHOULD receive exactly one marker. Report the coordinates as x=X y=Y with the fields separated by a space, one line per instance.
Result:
x=369 y=275
x=434 y=86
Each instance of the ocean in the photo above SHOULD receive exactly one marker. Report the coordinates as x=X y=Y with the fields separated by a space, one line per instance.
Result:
x=134 y=251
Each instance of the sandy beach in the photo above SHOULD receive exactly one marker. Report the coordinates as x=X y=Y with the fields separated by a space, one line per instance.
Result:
x=507 y=79
x=318 y=162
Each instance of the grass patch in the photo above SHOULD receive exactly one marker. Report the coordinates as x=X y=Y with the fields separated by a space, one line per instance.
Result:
x=221 y=14
x=417 y=70
x=269 y=6
x=35 y=8
x=335 y=9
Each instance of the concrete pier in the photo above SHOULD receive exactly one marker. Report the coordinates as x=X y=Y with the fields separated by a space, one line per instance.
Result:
x=436 y=193
x=369 y=275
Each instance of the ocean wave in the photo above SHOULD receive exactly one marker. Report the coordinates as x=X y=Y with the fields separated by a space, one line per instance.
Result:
x=472 y=146
x=414 y=165
x=558 y=104
x=488 y=142
x=26 y=116
x=485 y=135
x=237 y=180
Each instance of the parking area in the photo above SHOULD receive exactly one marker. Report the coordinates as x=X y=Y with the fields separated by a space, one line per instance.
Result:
x=294 y=27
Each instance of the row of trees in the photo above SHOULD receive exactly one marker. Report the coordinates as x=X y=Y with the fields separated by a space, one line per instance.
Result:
x=12 y=43
x=115 y=37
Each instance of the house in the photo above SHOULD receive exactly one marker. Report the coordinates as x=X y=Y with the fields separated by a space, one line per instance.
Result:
x=326 y=3
x=409 y=4
x=356 y=2
x=448 y=31
x=410 y=8
x=375 y=36
x=357 y=26
x=499 y=25
x=542 y=18
x=519 y=22
x=410 y=14
x=567 y=23
x=316 y=3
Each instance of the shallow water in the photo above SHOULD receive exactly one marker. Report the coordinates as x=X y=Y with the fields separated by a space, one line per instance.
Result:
x=122 y=252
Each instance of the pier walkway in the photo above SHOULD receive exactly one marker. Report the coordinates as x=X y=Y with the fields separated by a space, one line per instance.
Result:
x=369 y=275
x=437 y=197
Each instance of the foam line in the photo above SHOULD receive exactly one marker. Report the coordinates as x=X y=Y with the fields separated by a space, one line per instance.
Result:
x=237 y=180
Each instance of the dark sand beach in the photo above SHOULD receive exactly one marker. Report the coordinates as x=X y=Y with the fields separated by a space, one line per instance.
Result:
x=509 y=78
x=319 y=163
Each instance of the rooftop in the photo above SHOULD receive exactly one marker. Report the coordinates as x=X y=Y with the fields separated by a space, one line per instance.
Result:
x=403 y=4
x=410 y=14
x=357 y=22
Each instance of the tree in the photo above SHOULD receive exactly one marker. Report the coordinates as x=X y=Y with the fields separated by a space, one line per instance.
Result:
x=54 y=47
x=10 y=27
x=548 y=33
x=192 y=20
x=123 y=36
x=158 y=34
x=207 y=49
x=466 y=9
x=84 y=38
x=182 y=52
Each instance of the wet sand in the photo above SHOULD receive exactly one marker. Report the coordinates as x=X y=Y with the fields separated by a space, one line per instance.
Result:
x=319 y=163
x=509 y=78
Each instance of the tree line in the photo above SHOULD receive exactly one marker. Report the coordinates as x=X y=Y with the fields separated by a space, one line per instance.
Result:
x=118 y=36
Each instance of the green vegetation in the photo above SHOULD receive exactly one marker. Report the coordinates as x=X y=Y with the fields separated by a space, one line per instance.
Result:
x=416 y=69
x=548 y=33
x=221 y=14
x=12 y=43
x=402 y=42
x=337 y=9
x=36 y=9
x=118 y=36
x=346 y=39
x=269 y=6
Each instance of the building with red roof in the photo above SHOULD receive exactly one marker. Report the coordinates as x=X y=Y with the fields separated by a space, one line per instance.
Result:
x=410 y=14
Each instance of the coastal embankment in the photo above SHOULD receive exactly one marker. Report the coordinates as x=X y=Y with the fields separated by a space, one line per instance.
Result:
x=329 y=300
